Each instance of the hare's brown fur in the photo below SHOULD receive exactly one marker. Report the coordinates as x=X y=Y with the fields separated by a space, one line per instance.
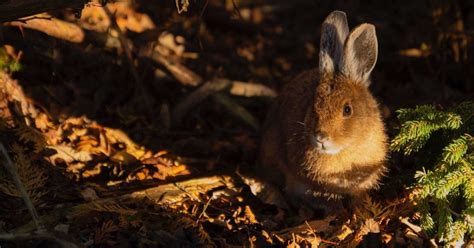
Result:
x=313 y=102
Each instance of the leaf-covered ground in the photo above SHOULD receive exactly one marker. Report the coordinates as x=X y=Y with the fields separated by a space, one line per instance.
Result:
x=133 y=125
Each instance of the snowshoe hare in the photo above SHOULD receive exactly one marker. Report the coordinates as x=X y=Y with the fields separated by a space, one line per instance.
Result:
x=324 y=136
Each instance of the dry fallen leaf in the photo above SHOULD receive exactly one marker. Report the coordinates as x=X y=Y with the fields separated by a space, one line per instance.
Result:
x=250 y=215
x=173 y=171
x=42 y=122
x=75 y=167
x=372 y=226
x=68 y=154
x=344 y=232
x=118 y=136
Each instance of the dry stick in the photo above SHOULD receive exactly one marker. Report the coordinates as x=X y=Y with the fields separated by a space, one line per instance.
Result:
x=7 y=162
x=190 y=101
x=128 y=54
x=213 y=87
x=11 y=10
x=235 y=109
x=204 y=209
x=418 y=230
x=184 y=75
x=189 y=78
x=53 y=27
x=251 y=90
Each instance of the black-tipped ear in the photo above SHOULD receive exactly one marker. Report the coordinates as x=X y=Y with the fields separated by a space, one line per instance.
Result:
x=333 y=34
x=360 y=53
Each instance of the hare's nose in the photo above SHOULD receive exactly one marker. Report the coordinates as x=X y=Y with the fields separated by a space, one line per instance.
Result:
x=321 y=136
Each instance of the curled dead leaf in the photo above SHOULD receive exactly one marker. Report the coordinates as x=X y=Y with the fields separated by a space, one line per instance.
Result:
x=118 y=136
x=68 y=154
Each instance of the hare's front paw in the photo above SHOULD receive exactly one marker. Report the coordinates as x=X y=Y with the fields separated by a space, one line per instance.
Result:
x=308 y=204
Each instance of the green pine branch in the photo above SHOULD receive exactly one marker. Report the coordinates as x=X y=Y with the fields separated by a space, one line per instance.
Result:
x=446 y=198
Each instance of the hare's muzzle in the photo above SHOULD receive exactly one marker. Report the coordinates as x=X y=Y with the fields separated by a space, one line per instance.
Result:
x=324 y=144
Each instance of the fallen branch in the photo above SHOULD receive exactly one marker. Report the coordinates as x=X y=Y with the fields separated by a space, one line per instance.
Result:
x=236 y=110
x=251 y=90
x=184 y=75
x=189 y=78
x=416 y=229
x=200 y=94
x=53 y=27
x=11 y=10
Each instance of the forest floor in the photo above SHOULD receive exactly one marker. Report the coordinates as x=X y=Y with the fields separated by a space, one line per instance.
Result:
x=130 y=126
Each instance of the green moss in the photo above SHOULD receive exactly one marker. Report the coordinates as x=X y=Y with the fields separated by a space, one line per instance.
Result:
x=7 y=63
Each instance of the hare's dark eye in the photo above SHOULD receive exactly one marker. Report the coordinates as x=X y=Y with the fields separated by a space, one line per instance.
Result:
x=347 y=111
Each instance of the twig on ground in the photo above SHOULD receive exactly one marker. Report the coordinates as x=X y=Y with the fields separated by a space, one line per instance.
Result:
x=251 y=90
x=184 y=75
x=216 y=85
x=52 y=27
x=187 y=77
x=204 y=209
x=418 y=230
x=200 y=94
x=236 y=110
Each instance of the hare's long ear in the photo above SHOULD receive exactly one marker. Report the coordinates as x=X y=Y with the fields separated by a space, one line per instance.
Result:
x=333 y=34
x=360 y=53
